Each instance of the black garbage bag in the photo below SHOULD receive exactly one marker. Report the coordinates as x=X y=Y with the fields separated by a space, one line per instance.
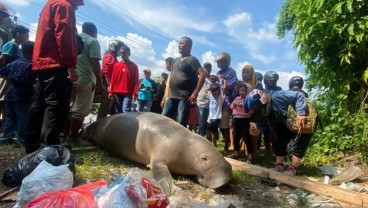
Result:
x=55 y=155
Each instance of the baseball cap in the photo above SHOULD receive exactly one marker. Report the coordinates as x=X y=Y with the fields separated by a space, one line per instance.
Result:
x=223 y=55
x=5 y=10
x=148 y=71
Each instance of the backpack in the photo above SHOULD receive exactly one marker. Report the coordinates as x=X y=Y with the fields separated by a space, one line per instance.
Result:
x=260 y=103
x=311 y=122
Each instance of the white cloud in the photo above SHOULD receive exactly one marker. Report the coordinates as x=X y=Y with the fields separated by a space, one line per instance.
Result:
x=209 y=56
x=240 y=65
x=238 y=20
x=142 y=52
x=22 y=3
x=240 y=27
x=284 y=77
x=290 y=55
x=163 y=20
x=32 y=33
x=171 y=50
x=263 y=58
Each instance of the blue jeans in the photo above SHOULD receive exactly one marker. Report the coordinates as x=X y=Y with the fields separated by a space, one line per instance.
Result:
x=178 y=107
x=144 y=105
x=17 y=115
x=202 y=120
x=123 y=103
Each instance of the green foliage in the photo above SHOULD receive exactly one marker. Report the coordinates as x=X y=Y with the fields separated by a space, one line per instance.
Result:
x=286 y=20
x=331 y=37
x=344 y=135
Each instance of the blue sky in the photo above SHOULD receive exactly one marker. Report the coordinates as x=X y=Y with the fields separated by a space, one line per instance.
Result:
x=244 y=28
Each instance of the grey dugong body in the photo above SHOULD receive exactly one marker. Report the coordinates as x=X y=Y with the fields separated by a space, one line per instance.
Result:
x=163 y=144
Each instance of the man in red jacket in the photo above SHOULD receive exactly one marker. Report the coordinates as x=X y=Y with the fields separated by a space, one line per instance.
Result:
x=54 y=62
x=124 y=82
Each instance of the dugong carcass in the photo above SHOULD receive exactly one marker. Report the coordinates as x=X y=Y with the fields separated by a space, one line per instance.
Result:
x=161 y=143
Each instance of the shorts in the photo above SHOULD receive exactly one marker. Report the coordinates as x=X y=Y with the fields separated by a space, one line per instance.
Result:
x=213 y=125
x=82 y=102
x=225 y=120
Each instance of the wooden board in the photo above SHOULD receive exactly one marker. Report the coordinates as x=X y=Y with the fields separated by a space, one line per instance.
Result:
x=342 y=195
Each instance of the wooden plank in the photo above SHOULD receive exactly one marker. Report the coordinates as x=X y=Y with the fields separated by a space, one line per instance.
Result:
x=342 y=195
x=348 y=174
x=4 y=194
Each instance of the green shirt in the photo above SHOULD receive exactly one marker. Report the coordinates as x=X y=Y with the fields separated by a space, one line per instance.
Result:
x=91 y=50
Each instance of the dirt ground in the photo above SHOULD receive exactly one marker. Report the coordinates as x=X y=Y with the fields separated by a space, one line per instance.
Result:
x=251 y=191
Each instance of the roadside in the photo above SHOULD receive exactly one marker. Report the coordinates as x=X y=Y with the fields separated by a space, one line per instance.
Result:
x=251 y=191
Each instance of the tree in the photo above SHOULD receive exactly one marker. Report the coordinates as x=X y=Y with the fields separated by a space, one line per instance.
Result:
x=331 y=36
x=332 y=41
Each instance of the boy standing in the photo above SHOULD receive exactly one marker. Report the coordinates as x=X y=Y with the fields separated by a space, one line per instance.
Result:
x=124 y=82
x=18 y=95
x=217 y=98
x=11 y=52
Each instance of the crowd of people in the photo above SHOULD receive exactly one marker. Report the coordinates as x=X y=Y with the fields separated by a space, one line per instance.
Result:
x=48 y=87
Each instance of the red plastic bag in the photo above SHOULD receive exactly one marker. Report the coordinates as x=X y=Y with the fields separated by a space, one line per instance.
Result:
x=80 y=196
x=156 y=198
x=153 y=197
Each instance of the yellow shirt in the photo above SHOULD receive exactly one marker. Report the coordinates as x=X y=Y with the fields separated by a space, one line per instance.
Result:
x=167 y=90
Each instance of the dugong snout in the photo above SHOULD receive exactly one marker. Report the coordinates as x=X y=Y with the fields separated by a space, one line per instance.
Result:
x=217 y=176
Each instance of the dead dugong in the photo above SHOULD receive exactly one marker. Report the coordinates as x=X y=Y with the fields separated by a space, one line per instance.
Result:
x=161 y=143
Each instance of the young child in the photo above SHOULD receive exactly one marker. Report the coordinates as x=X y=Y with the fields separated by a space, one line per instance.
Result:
x=18 y=95
x=215 y=112
x=241 y=123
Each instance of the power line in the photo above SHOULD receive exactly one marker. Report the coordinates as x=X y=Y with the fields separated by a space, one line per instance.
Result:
x=145 y=24
x=114 y=31
x=139 y=21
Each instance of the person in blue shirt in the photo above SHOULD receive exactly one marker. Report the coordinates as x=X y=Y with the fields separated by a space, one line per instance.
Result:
x=259 y=78
x=280 y=103
x=18 y=95
x=145 y=94
x=11 y=52
x=296 y=84
x=270 y=79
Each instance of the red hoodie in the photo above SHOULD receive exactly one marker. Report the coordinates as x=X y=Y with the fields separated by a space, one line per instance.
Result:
x=125 y=78
x=108 y=62
x=56 y=43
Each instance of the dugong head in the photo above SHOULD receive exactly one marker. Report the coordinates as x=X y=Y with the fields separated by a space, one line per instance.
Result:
x=216 y=176
x=213 y=171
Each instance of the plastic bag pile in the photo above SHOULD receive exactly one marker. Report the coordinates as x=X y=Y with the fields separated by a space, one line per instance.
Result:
x=47 y=181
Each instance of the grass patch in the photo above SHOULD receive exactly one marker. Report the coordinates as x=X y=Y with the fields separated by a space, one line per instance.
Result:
x=243 y=178
x=99 y=165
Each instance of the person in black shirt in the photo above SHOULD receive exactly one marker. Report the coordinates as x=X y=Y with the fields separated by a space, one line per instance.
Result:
x=157 y=97
x=186 y=80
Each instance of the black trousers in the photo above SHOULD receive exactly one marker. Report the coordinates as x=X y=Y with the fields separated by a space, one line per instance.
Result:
x=284 y=135
x=49 y=109
x=241 y=130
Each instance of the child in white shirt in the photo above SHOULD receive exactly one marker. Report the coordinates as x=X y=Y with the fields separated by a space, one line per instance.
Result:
x=215 y=112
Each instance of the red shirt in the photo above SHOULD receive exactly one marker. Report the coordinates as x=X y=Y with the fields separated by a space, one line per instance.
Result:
x=125 y=78
x=56 y=42
x=108 y=62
